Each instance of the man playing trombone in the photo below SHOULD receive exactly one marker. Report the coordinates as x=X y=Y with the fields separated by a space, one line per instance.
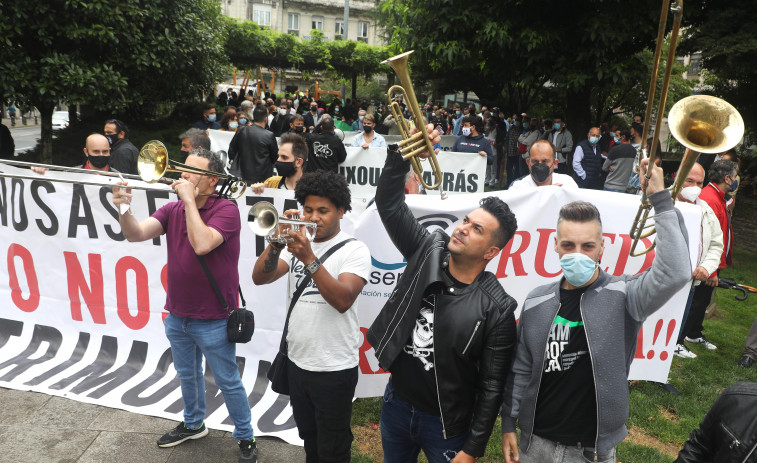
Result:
x=199 y=225
x=568 y=387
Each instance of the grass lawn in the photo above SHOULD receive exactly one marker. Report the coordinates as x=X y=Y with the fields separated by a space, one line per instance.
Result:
x=659 y=422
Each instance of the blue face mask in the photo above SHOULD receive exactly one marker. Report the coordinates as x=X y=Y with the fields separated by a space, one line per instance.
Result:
x=516 y=124
x=211 y=118
x=578 y=268
x=233 y=125
x=557 y=126
x=617 y=140
x=457 y=112
x=735 y=183
x=594 y=140
x=243 y=121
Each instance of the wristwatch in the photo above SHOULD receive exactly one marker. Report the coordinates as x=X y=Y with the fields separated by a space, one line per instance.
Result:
x=313 y=266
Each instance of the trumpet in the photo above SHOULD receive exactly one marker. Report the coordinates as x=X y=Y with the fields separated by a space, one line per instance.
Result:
x=413 y=145
x=263 y=219
x=702 y=124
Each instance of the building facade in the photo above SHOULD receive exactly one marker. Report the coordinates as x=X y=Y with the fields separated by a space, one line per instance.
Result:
x=299 y=17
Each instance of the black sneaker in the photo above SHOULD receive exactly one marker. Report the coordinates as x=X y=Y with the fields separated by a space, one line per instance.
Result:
x=180 y=434
x=249 y=451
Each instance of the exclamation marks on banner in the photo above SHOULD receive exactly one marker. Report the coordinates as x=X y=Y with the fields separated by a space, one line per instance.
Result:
x=668 y=337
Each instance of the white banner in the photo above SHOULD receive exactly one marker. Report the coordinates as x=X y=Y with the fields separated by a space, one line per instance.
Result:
x=462 y=172
x=82 y=313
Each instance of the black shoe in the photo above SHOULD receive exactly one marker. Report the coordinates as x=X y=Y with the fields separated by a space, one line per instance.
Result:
x=746 y=361
x=180 y=434
x=249 y=451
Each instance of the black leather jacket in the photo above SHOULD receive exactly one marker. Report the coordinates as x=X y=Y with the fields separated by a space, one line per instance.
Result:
x=474 y=327
x=253 y=152
x=728 y=433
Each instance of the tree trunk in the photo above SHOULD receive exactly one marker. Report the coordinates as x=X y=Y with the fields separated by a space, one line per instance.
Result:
x=46 y=115
x=72 y=116
x=354 y=87
x=578 y=113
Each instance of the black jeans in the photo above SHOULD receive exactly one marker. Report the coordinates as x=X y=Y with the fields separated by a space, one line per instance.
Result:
x=322 y=408
x=699 y=302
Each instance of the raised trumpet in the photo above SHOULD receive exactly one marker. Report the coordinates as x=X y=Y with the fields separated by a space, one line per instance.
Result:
x=263 y=219
x=412 y=145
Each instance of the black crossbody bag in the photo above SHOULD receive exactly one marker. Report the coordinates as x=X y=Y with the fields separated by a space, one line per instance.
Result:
x=278 y=373
x=241 y=322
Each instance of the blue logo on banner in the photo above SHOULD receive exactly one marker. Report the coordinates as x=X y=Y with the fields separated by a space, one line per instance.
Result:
x=383 y=266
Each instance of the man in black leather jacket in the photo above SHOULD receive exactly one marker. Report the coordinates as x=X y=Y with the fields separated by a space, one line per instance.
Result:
x=728 y=433
x=447 y=333
x=254 y=150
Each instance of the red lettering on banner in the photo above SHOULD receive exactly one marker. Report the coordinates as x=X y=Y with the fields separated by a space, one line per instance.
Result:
x=507 y=254
x=164 y=282
x=92 y=293
x=541 y=253
x=138 y=321
x=623 y=254
x=639 y=354
x=32 y=302
x=365 y=367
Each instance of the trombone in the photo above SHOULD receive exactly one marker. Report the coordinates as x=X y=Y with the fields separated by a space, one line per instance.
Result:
x=152 y=164
x=411 y=146
x=263 y=219
x=701 y=123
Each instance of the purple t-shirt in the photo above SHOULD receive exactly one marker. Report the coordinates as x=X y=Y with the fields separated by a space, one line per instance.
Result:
x=190 y=293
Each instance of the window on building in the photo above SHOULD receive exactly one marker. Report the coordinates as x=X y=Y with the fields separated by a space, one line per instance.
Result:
x=695 y=65
x=317 y=23
x=261 y=15
x=362 y=31
x=293 y=24
x=339 y=30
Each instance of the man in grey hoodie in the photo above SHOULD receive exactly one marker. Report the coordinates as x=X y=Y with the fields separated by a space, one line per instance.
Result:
x=577 y=338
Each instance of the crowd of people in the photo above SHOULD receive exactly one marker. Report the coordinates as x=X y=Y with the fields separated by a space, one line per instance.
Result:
x=447 y=333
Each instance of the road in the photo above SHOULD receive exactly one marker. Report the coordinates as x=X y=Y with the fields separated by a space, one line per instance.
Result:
x=25 y=137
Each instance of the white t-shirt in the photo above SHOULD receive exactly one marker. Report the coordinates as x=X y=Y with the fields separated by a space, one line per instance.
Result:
x=528 y=182
x=319 y=337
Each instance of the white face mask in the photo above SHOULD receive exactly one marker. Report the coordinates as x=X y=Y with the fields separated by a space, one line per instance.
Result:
x=691 y=193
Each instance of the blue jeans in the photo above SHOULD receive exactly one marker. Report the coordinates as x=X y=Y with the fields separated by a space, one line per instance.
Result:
x=618 y=190
x=192 y=338
x=546 y=451
x=405 y=430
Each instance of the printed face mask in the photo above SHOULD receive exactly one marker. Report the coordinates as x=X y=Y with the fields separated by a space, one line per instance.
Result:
x=466 y=131
x=578 y=268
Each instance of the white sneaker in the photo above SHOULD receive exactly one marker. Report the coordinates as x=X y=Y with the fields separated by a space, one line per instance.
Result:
x=684 y=352
x=702 y=340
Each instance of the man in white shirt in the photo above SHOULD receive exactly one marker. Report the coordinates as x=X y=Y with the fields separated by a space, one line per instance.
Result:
x=368 y=138
x=542 y=163
x=323 y=336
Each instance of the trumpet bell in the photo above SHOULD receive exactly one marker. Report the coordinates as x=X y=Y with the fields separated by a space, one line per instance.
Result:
x=262 y=218
x=153 y=161
x=705 y=124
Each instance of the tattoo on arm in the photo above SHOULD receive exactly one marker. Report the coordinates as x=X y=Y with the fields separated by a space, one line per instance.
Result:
x=271 y=263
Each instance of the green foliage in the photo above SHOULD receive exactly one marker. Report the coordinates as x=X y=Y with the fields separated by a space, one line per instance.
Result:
x=116 y=56
x=249 y=46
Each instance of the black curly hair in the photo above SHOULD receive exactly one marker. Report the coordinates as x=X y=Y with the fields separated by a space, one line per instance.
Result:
x=327 y=184
x=507 y=222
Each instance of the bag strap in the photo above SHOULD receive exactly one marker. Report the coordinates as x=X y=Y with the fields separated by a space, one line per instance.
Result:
x=300 y=288
x=216 y=289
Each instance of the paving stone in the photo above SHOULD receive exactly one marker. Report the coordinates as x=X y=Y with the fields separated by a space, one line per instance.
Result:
x=18 y=406
x=125 y=447
x=30 y=444
x=60 y=412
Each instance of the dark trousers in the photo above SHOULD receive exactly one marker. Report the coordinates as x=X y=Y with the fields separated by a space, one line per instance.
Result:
x=751 y=341
x=699 y=303
x=512 y=169
x=405 y=430
x=681 y=333
x=322 y=408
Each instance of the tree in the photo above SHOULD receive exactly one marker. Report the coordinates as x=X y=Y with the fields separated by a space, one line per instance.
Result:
x=249 y=46
x=117 y=56
x=723 y=32
x=507 y=51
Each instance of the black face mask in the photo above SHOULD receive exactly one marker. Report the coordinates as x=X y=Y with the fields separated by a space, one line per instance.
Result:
x=368 y=128
x=98 y=162
x=184 y=155
x=540 y=172
x=299 y=129
x=285 y=169
x=112 y=138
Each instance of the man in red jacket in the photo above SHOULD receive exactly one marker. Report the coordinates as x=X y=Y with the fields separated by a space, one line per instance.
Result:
x=724 y=178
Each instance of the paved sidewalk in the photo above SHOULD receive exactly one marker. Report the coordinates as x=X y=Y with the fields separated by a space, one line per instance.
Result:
x=38 y=428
